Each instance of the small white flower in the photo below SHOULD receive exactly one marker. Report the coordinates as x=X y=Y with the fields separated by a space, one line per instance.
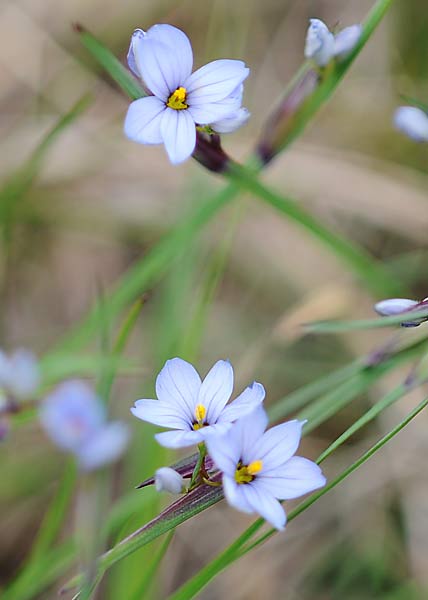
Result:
x=322 y=45
x=75 y=419
x=19 y=374
x=168 y=480
x=398 y=306
x=259 y=467
x=413 y=122
x=162 y=57
x=195 y=409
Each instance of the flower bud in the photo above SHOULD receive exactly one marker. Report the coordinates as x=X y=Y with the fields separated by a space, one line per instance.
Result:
x=398 y=306
x=394 y=306
x=168 y=480
x=413 y=122
x=346 y=40
x=319 y=43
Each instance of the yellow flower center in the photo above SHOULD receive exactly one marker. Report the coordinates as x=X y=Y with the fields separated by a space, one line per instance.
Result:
x=200 y=412
x=246 y=473
x=177 y=99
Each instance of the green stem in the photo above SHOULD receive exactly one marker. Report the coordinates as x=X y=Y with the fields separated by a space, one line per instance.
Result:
x=374 y=274
x=199 y=467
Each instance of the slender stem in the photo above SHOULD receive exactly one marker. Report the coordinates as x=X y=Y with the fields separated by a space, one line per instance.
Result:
x=199 y=467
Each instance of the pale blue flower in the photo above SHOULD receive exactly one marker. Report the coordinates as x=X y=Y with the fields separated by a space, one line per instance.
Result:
x=398 y=306
x=19 y=374
x=168 y=480
x=259 y=467
x=76 y=421
x=195 y=409
x=413 y=122
x=322 y=45
x=179 y=99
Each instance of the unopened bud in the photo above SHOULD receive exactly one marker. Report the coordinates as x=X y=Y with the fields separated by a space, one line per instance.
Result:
x=168 y=480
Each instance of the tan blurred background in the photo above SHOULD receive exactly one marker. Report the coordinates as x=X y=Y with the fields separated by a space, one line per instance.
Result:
x=101 y=201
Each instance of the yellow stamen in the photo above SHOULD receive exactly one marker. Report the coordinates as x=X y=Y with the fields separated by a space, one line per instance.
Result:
x=255 y=467
x=246 y=473
x=200 y=412
x=177 y=99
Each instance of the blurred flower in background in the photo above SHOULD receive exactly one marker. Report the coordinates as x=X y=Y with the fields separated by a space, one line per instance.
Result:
x=19 y=374
x=413 y=122
x=75 y=420
x=322 y=45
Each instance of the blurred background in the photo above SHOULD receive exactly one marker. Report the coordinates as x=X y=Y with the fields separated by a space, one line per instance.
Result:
x=100 y=202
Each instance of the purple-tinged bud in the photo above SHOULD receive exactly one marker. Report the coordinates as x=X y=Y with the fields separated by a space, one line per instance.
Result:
x=209 y=153
x=276 y=133
x=394 y=306
x=399 y=306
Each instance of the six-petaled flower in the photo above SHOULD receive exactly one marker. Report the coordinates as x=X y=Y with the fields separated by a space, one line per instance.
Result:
x=259 y=467
x=195 y=409
x=179 y=100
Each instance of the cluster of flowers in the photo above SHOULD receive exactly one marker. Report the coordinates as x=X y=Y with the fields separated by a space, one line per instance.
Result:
x=258 y=467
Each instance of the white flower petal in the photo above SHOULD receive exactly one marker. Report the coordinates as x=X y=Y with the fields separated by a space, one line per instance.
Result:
x=235 y=496
x=319 y=42
x=245 y=403
x=394 y=306
x=346 y=40
x=71 y=415
x=297 y=477
x=105 y=447
x=232 y=122
x=264 y=503
x=413 y=122
x=215 y=81
x=173 y=416
x=277 y=445
x=249 y=431
x=225 y=452
x=178 y=439
x=143 y=120
x=216 y=390
x=179 y=45
x=178 y=384
x=159 y=66
x=207 y=113
x=168 y=480
x=138 y=33
x=179 y=134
